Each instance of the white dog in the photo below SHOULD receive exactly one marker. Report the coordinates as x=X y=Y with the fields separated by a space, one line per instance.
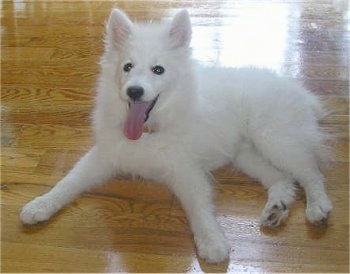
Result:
x=198 y=119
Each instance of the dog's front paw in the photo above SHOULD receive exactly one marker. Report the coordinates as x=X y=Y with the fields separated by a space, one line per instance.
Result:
x=317 y=211
x=214 y=248
x=38 y=210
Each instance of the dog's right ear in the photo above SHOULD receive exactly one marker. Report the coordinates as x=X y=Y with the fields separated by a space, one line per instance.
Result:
x=118 y=28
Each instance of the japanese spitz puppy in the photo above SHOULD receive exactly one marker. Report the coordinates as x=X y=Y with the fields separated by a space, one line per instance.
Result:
x=161 y=116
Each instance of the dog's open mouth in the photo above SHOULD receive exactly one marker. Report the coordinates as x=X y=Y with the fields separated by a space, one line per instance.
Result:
x=138 y=114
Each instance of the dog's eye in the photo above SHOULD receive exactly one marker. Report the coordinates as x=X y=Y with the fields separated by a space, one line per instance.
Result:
x=158 y=70
x=127 y=67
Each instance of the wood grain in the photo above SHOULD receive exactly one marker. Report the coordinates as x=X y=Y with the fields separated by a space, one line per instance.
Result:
x=49 y=67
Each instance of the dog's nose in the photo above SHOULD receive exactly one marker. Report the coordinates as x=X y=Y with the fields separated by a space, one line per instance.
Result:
x=135 y=92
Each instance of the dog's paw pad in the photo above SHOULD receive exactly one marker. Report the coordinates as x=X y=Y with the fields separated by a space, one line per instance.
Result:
x=38 y=210
x=274 y=214
x=213 y=248
x=317 y=212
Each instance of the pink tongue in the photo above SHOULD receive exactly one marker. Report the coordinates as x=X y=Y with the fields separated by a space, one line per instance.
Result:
x=133 y=127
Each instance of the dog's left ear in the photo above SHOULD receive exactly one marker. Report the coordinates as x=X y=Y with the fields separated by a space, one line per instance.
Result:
x=180 y=30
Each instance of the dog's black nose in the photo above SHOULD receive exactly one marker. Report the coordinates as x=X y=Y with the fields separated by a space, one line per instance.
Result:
x=135 y=92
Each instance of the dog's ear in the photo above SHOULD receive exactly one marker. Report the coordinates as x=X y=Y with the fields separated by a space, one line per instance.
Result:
x=118 y=28
x=180 y=30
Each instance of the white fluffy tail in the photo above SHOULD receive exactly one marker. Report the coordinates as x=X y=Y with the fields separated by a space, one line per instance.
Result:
x=322 y=148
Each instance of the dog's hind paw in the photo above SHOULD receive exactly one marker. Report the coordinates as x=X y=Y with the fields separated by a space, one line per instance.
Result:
x=38 y=210
x=274 y=214
x=213 y=248
x=317 y=212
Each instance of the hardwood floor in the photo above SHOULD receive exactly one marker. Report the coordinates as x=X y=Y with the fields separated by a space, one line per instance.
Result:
x=49 y=55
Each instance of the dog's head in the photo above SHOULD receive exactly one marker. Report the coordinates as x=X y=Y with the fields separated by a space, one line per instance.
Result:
x=148 y=60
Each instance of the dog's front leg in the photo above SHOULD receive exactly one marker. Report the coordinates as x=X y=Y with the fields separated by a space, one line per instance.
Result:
x=193 y=188
x=92 y=169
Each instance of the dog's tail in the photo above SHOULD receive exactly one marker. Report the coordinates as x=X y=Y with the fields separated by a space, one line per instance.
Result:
x=326 y=139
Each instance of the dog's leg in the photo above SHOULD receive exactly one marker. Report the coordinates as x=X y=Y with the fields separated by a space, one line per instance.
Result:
x=91 y=170
x=299 y=161
x=192 y=187
x=280 y=186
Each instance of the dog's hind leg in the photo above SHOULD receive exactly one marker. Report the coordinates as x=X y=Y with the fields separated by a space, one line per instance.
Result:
x=296 y=158
x=280 y=185
x=91 y=170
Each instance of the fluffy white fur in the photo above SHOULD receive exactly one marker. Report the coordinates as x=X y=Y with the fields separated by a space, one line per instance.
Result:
x=205 y=117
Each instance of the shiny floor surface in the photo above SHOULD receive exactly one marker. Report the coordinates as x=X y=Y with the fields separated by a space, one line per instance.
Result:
x=50 y=53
